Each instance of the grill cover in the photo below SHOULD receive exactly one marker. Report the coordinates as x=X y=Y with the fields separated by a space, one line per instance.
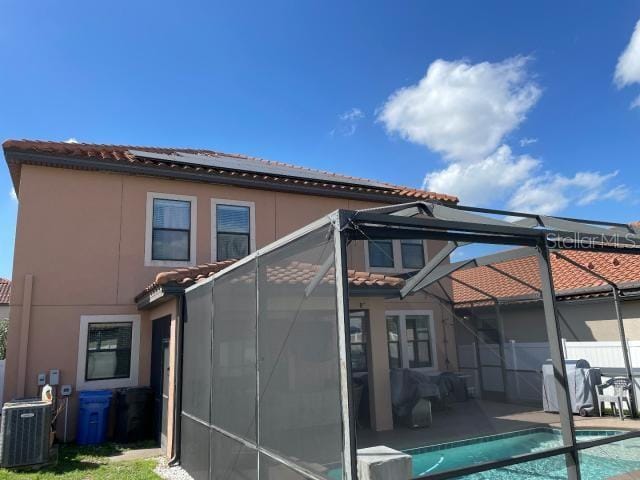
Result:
x=582 y=381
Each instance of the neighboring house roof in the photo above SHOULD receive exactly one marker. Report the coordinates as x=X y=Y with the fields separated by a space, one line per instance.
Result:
x=293 y=273
x=5 y=291
x=120 y=158
x=569 y=280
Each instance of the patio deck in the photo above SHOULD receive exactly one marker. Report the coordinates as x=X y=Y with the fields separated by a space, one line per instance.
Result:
x=476 y=418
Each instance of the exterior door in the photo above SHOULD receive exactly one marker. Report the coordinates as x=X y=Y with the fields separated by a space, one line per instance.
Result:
x=160 y=377
x=359 y=335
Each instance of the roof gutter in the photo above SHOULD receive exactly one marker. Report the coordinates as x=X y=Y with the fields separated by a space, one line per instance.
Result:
x=343 y=191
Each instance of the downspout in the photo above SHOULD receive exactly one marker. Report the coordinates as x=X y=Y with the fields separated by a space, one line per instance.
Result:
x=177 y=382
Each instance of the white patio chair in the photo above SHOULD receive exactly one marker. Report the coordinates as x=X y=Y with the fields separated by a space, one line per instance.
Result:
x=621 y=394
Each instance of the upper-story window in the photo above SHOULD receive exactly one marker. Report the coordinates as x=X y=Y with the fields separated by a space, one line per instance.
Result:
x=233 y=235
x=171 y=235
x=171 y=230
x=412 y=254
x=395 y=255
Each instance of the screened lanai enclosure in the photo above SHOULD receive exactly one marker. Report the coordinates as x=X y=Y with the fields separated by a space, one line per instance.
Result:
x=463 y=359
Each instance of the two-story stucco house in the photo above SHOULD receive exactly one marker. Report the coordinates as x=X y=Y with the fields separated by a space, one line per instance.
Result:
x=108 y=237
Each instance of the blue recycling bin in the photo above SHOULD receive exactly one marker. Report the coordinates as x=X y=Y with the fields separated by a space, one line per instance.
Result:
x=93 y=417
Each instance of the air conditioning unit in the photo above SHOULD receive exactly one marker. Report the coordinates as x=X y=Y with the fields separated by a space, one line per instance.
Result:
x=24 y=433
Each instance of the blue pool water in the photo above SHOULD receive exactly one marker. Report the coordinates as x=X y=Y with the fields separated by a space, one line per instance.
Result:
x=596 y=463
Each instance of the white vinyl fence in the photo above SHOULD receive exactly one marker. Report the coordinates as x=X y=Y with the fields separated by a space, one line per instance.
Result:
x=523 y=364
x=603 y=354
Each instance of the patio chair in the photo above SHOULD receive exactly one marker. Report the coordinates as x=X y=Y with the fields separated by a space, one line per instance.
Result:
x=621 y=387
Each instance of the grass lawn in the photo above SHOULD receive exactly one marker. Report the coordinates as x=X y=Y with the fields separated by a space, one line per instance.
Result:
x=89 y=463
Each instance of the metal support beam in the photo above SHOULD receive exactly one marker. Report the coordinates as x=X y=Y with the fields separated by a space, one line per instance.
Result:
x=625 y=350
x=621 y=330
x=503 y=363
x=446 y=270
x=431 y=265
x=581 y=227
x=557 y=358
x=514 y=278
x=320 y=274
x=475 y=289
x=349 y=454
x=585 y=269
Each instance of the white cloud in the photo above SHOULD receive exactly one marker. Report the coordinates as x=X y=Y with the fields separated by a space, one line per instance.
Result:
x=460 y=110
x=628 y=67
x=635 y=103
x=527 y=141
x=465 y=112
x=71 y=140
x=485 y=181
x=551 y=193
x=348 y=122
x=13 y=194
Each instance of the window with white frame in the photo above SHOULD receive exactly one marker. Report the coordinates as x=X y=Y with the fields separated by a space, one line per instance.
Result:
x=410 y=339
x=171 y=230
x=395 y=255
x=233 y=225
x=108 y=351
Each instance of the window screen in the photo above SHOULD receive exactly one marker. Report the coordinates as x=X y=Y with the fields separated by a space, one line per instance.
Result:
x=381 y=253
x=233 y=231
x=359 y=335
x=108 y=351
x=418 y=341
x=412 y=253
x=393 y=341
x=171 y=237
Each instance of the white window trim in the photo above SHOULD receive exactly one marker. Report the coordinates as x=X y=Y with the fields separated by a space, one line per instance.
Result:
x=404 y=345
x=148 y=261
x=214 y=224
x=132 y=379
x=397 y=258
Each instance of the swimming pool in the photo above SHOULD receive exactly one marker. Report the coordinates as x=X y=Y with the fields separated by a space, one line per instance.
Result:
x=595 y=463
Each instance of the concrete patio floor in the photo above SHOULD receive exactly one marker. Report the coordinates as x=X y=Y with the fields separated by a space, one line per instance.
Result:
x=476 y=418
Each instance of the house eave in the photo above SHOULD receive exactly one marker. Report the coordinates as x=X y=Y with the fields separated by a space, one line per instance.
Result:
x=16 y=158
x=158 y=296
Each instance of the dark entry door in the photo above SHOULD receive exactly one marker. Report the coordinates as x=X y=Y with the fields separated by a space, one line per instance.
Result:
x=160 y=377
x=359 y=333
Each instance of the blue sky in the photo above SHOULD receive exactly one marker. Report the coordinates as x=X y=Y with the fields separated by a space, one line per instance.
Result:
x=313 y=83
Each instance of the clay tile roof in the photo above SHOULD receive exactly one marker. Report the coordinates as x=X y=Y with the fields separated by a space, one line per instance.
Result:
x=567 y=278
x=293 y=273
x=5 y=291
x=120 y=155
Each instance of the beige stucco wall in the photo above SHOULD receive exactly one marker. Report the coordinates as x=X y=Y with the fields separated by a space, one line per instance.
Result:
x=586 y=320
x=81 y=235
x=4 y=311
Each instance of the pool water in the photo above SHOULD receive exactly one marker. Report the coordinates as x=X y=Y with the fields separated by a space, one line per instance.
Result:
x=595 y=463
